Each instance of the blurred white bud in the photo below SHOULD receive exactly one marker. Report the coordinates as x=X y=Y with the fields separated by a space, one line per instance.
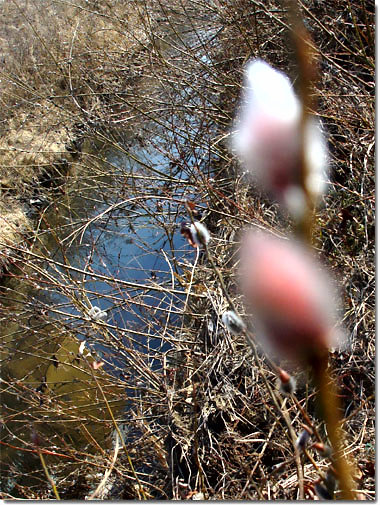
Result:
x=233 y=322
x=317 y=158
x=200 y=234
x=97 y=313
x=81 y=347
x=196 y=233
x=267 y=138
x=198 y=496
x=302 y=440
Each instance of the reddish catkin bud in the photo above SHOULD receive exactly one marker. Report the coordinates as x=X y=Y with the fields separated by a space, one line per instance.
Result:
x=290 y=295
x=287 y=383
x=323 y=449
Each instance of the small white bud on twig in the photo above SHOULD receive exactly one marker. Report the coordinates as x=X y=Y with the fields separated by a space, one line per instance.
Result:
x=302 y=440
x=233 y=322
x=200 y=234
x=81 y=347
x=97 y=313
x=196 y=233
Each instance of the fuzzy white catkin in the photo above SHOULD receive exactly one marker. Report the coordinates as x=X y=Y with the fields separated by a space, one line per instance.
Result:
x=97 y=313
x=302 y=440
x=233 y=322
x=267 y=138
x=199 y=234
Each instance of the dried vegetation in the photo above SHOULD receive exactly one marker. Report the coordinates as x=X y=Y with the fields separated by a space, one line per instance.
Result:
x=113 y=114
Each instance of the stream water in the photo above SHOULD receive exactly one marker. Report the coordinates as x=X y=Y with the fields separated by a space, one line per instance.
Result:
x=115 y=243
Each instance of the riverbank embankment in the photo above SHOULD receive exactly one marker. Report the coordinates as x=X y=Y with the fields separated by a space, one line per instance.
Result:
x=57 y=61
x=154 y=92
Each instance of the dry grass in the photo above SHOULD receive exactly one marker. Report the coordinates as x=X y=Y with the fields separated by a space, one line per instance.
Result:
x=144 y=99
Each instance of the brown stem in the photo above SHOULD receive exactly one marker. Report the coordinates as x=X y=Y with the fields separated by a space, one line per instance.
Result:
x=330 y=404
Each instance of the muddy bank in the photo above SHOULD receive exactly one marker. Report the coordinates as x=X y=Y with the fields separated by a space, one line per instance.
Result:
x=34 y=161
x=59 y=63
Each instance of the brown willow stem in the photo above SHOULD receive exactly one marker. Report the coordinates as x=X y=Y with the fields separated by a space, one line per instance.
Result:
x=285 y=416
x=307 y=59
x=49 y=478
x=329 y=401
